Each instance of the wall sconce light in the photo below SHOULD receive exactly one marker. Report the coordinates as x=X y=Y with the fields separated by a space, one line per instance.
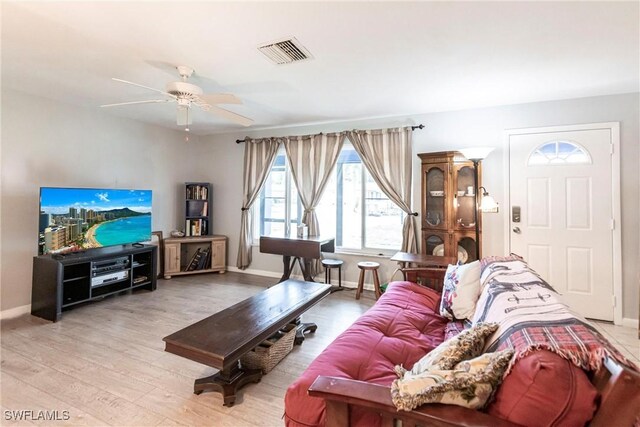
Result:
x=488 y=203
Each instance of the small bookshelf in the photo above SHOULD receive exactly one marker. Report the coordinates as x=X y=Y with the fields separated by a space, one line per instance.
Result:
x=197 y=214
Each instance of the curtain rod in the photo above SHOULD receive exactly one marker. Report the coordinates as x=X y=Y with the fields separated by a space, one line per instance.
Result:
x=420 y=126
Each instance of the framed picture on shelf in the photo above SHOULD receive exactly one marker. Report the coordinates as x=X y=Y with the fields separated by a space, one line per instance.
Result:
x=157 y=239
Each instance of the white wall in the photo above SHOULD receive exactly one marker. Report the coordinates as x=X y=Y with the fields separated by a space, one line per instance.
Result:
x=46 y=143
x=221 y=162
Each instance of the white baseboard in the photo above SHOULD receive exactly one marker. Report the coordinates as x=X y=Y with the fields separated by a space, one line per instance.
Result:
x=630 y=323
x=15 y=312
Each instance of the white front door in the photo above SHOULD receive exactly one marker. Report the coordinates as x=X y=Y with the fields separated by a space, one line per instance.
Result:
x=561 y=189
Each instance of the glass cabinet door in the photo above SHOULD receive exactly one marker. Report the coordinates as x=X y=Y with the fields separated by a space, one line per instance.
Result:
x=435 y=244
x=464 y=199
x=466 y=245
x=435 y=197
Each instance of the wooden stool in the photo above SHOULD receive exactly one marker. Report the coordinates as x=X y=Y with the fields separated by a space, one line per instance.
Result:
x=328 y=265
x=364 y=266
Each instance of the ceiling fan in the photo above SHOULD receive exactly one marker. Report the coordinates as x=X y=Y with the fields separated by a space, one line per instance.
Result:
x=187 y=95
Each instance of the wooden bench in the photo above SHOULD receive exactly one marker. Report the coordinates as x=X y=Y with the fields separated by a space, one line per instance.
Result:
x=221 y=339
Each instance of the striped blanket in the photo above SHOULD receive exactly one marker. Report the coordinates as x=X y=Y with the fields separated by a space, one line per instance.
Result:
x=533 y=317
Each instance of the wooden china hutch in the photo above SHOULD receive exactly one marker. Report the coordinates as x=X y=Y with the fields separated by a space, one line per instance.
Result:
x=449 y=206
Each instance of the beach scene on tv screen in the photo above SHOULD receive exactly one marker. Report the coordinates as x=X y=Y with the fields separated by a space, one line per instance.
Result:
x=72 y=219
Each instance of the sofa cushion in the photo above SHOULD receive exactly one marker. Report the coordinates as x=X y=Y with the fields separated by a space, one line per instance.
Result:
x=465 y=345
x=544 y=389
x=461 y=291
x=470 y=383
x=399 y=329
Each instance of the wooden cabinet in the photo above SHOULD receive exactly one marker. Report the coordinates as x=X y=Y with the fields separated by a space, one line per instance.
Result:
x=449 y=206
x=192 y=255
x=171 y=258
x=218 y=258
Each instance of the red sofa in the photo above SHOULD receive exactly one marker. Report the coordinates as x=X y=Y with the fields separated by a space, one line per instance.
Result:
x=348 y=383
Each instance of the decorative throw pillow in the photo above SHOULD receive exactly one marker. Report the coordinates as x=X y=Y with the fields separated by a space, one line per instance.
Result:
x=461 y=291
x=471 y=383
x=526 y=391
x=465 y=345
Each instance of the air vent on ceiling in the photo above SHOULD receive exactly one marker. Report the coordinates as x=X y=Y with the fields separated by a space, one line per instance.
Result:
x=285 y=51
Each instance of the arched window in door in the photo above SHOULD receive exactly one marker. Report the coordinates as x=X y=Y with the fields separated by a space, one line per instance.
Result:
x=559 y=153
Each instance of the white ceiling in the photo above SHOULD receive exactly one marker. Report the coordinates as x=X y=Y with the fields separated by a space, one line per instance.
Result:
x=371 y=59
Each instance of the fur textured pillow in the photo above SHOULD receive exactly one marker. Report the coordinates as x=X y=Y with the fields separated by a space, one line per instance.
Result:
x=466 y=345
x=471 y=383
x=461 y=291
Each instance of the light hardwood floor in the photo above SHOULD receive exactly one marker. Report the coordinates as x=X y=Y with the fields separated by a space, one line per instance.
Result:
x=105 y=364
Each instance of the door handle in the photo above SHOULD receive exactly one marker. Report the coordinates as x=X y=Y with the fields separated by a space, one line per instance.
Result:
x=516 y=230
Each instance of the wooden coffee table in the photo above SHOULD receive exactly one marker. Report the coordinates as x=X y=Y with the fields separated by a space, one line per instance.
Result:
x=220 y=340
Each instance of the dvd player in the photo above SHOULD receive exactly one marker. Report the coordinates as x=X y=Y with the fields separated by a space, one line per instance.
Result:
x=108 y=278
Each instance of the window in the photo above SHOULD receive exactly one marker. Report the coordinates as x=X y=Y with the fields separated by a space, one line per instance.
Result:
x=352 y=207
x=279 y=204
x=559 y=153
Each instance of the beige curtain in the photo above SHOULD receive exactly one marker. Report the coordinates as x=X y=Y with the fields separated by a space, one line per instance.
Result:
x=259 y=155
x=386 y=153
x=312 y=158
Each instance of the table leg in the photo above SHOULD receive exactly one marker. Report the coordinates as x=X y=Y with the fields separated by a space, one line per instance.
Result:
x=228 y=382
x=305 y=265
x=286 y=260
x=302 y=329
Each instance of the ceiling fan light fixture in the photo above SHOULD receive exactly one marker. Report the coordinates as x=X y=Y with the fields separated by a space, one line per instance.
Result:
x=184 y=116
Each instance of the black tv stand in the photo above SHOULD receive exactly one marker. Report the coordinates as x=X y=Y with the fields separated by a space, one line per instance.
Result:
x=62 y=281
x=137 y=245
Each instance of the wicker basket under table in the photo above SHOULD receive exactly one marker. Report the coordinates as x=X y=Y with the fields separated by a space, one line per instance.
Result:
x=270 y=352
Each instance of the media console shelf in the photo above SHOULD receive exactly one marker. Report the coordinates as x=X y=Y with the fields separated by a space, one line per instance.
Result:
x=63 y=281
x=191 y=255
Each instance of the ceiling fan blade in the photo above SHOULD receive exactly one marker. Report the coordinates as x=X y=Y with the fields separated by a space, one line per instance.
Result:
x=145 y=87
x=220 y=98
x=153 y=101
x=234 y=117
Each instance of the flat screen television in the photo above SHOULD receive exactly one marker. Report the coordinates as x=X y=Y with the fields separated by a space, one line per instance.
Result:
x=73 y=219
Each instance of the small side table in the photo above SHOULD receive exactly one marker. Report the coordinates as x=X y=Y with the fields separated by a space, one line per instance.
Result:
x=373 y=267
x=328 y=265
